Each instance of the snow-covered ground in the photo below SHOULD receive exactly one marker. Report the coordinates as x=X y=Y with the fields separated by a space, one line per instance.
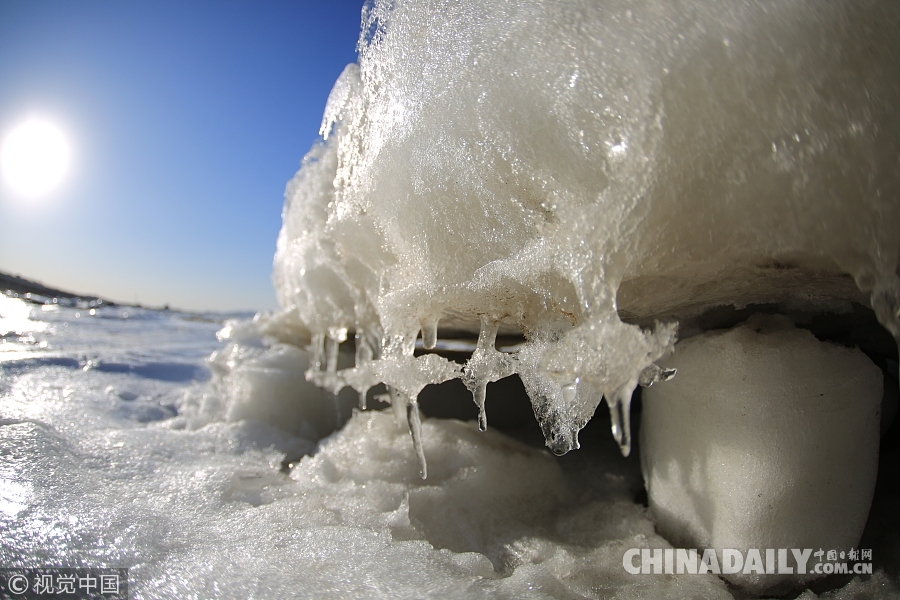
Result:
x=120 y=446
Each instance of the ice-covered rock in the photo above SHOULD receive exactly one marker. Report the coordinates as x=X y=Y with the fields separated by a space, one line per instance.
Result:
x=767 y=438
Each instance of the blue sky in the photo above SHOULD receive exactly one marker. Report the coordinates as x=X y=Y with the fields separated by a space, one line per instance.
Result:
x=186 y=120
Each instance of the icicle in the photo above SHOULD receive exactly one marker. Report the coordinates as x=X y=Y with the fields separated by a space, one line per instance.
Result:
x=620 y=414
x=398 y=406
x=482 y=368
x=338 y=416
x=402 y=403
x=487 y=337
x=318 y=352
x=414 y=420
x=364 y=354
x=480 y=394
x=316 y=361
x=327 y=348
x=408 y=346
x=547 y=400
x=429 y=333
x=362 y=399
x=331 y=355
x=364 y=351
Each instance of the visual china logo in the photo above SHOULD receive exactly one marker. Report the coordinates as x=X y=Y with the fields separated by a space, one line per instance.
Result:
x=64 y=583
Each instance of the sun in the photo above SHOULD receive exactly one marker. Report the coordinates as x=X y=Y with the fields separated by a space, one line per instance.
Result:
x=34 y=158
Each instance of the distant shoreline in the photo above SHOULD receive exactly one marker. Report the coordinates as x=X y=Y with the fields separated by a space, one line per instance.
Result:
x=38 y=293
x=24 y=288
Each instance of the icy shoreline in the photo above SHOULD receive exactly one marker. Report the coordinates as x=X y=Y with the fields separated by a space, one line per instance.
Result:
x=98 y=469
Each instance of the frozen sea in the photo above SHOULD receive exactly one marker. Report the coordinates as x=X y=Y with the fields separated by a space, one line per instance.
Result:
x=123 y=444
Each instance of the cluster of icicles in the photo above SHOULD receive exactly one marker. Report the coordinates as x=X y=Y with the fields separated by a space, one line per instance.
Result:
x=406 y=375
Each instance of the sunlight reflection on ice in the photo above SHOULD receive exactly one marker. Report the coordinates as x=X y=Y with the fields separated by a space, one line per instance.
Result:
x=15 y=317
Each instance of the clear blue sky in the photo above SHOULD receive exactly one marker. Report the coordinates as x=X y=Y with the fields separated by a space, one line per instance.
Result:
x=186 y=118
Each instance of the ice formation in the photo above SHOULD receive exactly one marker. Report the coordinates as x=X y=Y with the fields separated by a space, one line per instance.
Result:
x=586 y=174
x=775 y=429
x=121 y=449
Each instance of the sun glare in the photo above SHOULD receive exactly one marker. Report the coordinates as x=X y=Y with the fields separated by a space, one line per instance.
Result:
x=34 y=158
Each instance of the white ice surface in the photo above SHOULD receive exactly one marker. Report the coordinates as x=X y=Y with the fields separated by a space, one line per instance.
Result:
x=97 y=470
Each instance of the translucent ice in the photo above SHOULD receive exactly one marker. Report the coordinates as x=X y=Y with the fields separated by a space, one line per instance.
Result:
x=574 y=171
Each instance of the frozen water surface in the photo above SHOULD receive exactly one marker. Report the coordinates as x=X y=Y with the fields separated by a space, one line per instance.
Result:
x=98 y=469
x=119 y=449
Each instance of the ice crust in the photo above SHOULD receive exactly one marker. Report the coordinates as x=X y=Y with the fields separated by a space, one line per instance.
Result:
x=767 y=438
x=554 y=167
x=122 y=446
x=91 y=475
